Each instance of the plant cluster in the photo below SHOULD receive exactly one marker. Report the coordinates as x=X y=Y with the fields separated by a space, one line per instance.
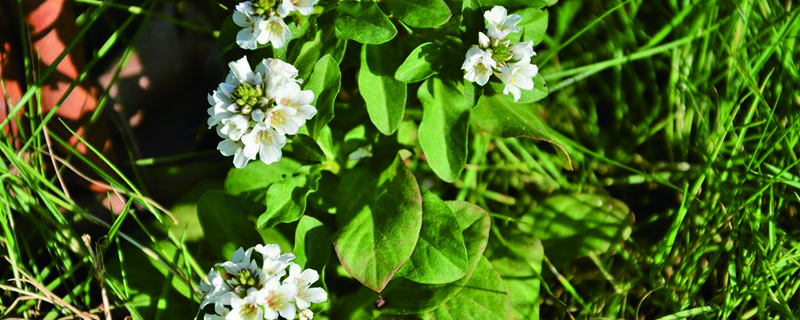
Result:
x=494 y=54
x=240 y=289
x=254 y=111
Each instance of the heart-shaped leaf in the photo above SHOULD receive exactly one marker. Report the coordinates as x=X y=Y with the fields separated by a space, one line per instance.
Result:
x=379 y=218
x=440 y=256
x=286 y=199
x=444 y=127
x=384 y=95
x=325 y=82
x=576 y=225
x=363 y=22
x=404 y=296
x=420 y=13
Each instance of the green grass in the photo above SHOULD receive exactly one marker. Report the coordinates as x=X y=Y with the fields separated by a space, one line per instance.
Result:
x=687 y=111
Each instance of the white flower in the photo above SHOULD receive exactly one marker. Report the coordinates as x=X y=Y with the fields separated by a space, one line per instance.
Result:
x=221 y=311
x=479 y=65
x=277 y=299
x=306 y=314
x=245 y=308
x=240 y=72
x=281 y=118
x=484 y=40
x=229 y=148
x=517 y=76
x=291 y=96
x=221 y=104
x=499 y=23
x=253 y=27
x=275 y=263
x=305 y=7
x=212 y=290
x=522 y=51
x=303 y=281
x=276 y=32
x=276 y=74
x=234 y=126
x=265 y=142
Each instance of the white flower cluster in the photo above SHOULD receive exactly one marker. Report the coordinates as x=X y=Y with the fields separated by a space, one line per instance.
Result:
x=494 y=54
x=255 y=110
x=262 y=21
x=241 y=290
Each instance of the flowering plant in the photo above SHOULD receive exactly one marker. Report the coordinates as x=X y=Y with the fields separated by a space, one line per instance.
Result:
x=414 y=253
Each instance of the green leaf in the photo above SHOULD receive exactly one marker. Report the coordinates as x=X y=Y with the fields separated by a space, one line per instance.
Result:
x=421 y=64
x=252 y=181
x=571 y=226
x=471 y=22
x=324 y=82
x=472 y=92
x=312 y=244
x=404 y=296
x=379 y=217
x=440 y=256
x=420 y=13
x=227 y=35
x=225 y=224
x=363 y=22
x=444 y=127
x=520 y=266
x=384 y=95
x=307 y=55
x=484 y=297
x=533 y=25
x=475 y=224
x=539 y=92
x=306 y=148
x=505 y=118
x=286 y=199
